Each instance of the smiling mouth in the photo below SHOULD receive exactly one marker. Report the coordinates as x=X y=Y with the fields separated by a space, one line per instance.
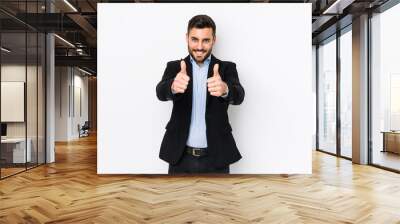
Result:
x=199 y=52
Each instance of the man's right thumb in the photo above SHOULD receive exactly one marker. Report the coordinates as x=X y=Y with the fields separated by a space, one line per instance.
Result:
x=183 y=66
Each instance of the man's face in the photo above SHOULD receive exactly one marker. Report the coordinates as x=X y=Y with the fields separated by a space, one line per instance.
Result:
x=200 y=43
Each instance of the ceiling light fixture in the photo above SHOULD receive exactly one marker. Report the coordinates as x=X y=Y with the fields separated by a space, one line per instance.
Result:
x=84 y=71
x=5 y=50
x=64 y=40
x=70 y=5
x=338 y=6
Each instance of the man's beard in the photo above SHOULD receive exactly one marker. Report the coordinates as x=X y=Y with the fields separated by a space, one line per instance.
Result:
x=205 y=57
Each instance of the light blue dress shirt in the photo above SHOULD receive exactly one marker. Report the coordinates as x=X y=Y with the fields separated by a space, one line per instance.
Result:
x=197 y=131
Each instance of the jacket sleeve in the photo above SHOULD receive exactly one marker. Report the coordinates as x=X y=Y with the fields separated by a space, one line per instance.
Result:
x=163 y=89
x=236 y=92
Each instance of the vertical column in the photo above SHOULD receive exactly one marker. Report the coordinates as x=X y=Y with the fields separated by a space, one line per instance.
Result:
x=50 y=92
x=360 y=90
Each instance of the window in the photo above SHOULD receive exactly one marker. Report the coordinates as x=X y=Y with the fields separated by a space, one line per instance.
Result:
x=327 y=96
x=385 y=89
x=346 y=93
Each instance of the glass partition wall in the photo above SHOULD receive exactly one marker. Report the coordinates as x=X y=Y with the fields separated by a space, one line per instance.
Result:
x=22 y=77
x=334 y=93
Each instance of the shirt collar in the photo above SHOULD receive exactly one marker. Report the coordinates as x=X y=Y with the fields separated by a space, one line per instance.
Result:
x=206 y=62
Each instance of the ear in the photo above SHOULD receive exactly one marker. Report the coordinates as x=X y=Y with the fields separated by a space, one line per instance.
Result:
x=187 y=38
x=215 y=39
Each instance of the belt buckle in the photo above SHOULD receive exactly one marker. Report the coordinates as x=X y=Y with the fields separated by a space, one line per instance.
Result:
x=194 y=151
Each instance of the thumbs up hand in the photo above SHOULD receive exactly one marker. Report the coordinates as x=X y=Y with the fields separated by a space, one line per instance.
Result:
x=181 y=80
x=215 y=85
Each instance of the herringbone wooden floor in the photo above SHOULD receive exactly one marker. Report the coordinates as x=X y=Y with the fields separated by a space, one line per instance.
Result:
x=70 y=191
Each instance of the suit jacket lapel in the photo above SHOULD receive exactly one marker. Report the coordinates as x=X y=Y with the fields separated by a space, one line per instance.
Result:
x=209 y=74
x=189 y=71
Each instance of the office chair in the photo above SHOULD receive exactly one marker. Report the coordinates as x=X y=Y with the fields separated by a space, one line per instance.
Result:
x=84 y=130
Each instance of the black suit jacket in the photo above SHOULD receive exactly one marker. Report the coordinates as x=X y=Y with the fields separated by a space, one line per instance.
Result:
x=221 y=144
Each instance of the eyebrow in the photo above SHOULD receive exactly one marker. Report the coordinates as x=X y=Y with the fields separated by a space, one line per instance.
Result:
x=195 y=38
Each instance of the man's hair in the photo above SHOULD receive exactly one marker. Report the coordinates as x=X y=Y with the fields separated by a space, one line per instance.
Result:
x=202 y=21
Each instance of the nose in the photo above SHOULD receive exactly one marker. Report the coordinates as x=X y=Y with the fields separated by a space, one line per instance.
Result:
x=199 y=47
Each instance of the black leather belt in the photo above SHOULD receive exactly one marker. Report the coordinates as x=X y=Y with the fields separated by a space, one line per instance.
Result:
x=196 y=151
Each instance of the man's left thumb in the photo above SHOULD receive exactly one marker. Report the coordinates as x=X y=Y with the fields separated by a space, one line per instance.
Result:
x=216 y=68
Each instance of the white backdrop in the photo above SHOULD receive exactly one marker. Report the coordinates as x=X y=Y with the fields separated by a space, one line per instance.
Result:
x=271 y=45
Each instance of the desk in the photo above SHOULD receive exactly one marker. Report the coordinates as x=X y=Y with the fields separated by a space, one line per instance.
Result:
x=15 y=148
x=391 y=141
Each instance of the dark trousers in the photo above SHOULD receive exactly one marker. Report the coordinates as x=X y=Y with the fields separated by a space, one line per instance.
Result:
x=195 y=164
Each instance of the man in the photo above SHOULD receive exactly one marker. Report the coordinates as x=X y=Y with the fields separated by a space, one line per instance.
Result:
x=198 y=137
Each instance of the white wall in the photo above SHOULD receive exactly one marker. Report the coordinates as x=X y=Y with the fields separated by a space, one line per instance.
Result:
x=61 y=103
x=17 y=73
x=68 y=81
x=271 y=45
x=80 y=84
